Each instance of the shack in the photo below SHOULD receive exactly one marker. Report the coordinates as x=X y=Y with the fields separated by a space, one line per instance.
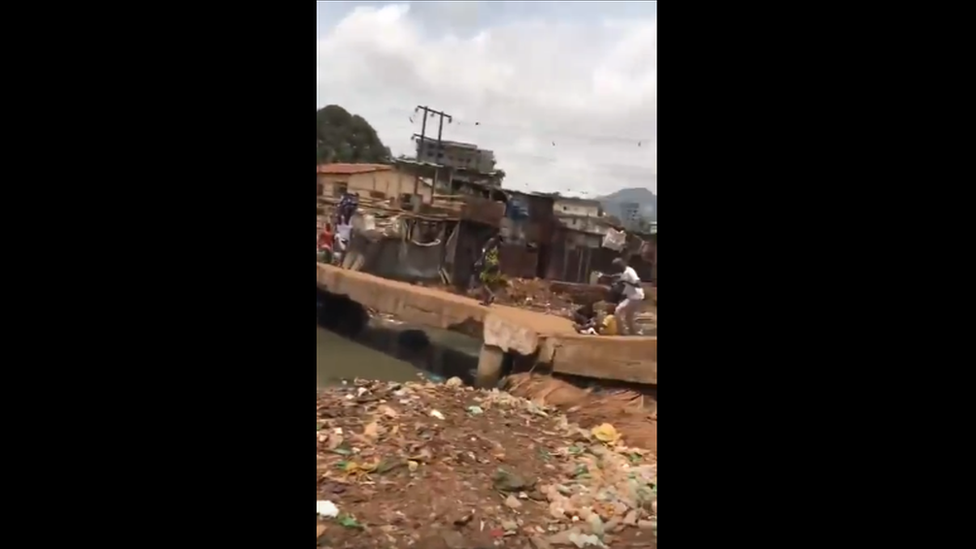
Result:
x=435 y=234
x=403 y=246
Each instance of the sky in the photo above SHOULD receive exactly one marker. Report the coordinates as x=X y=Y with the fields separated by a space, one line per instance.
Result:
x=564 y=93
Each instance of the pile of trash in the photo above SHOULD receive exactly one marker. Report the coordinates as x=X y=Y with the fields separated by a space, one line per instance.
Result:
x=537 y=295
x=447 y=466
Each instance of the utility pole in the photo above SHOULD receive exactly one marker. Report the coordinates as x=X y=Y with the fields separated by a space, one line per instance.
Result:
x=423 y=135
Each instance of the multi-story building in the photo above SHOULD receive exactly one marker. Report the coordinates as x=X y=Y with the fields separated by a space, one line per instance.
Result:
x=584 y=207
x=455 y=154
x=631 y=215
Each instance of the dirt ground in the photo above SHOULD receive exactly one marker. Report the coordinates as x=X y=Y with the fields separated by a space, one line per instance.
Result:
x=443 y=466
x=560 y=298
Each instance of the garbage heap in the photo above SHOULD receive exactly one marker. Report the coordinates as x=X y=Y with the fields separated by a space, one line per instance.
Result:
x=447 y=466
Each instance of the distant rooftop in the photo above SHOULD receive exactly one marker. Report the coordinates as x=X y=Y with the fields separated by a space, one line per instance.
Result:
x=578 y=200
x=457 y=170
x=447 y=143
x=351 y=169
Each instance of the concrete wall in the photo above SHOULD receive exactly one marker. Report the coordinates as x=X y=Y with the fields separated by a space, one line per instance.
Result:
x=631 y=359
x=379 y=184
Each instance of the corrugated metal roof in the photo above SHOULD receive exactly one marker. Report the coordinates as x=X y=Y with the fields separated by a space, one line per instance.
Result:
x=350 y=169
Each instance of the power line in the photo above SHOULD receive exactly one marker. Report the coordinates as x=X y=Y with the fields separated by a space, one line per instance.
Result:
x=423 y=136
x=554 y=134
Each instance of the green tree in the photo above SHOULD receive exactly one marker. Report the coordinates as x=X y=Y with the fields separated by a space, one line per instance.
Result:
x=344 y=137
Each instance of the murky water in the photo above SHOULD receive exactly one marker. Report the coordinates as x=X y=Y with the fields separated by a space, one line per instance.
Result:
x=340 y=358
x=394 y=352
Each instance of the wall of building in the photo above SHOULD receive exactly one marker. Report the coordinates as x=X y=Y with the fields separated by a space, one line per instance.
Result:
x=378 y=184
x=518 y=260
x=471 y=236
x=576 y=207
x=586 y=224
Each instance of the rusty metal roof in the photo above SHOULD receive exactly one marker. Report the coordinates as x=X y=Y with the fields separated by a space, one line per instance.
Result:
x=350 y=169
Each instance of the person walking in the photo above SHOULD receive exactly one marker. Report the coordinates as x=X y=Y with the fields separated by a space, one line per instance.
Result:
x=633 y=296
x=488 y=268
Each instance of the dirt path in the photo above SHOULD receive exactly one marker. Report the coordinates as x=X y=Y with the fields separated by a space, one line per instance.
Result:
x=444 y=466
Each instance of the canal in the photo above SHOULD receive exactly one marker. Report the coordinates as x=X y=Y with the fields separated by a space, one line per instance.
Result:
x=393 y=351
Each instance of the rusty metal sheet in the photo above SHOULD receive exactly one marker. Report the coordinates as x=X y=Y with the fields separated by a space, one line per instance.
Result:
x=482 y=210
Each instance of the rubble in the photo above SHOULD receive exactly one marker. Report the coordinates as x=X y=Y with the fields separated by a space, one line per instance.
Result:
x=518 y=474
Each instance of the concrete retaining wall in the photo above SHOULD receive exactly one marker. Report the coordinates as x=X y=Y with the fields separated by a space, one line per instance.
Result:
x=632 y=359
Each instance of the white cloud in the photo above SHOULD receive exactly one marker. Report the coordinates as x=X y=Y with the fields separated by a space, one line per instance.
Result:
x=590 y=87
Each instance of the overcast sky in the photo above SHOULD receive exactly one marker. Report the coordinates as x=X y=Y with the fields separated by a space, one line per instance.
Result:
x=564 y=93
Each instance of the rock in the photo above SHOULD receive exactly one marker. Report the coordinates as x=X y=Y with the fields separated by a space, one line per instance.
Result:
x=507 y=481
x=556 y=510
x=454 y=382
x=463 y=519
x=647 y=524
x=596 y=524
x=611 y=525
x=509 y=525
x=453 y=539
x=512 y=502
x=562 y=538
x=619 y=508
x=564 y=490
x=538 y=542
x=584 y=540
x=631 y=518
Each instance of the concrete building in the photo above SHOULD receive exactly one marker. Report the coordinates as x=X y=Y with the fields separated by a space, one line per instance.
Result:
x=631 y=215
x=455 y=155
x=585 y=223
x=378 y=181
x=584 y=207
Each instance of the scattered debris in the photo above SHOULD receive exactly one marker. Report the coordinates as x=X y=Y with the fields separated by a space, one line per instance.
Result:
x=349 y=521
x=443 y=465
x=326 y=509
x=454 y=382
x=606 y=433
x=512 y=502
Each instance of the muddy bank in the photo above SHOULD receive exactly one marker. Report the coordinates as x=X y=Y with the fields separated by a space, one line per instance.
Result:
x=447 y=466
x=633 y=411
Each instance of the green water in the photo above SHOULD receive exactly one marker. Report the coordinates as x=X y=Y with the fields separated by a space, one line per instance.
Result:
x=339 y=358
x=377 y=353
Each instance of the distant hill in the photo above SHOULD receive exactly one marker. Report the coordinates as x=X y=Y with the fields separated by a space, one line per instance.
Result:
x=648 y=202
x=344 y=137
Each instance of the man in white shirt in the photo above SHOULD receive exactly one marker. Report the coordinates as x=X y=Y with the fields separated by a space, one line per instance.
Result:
x=633 y=296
